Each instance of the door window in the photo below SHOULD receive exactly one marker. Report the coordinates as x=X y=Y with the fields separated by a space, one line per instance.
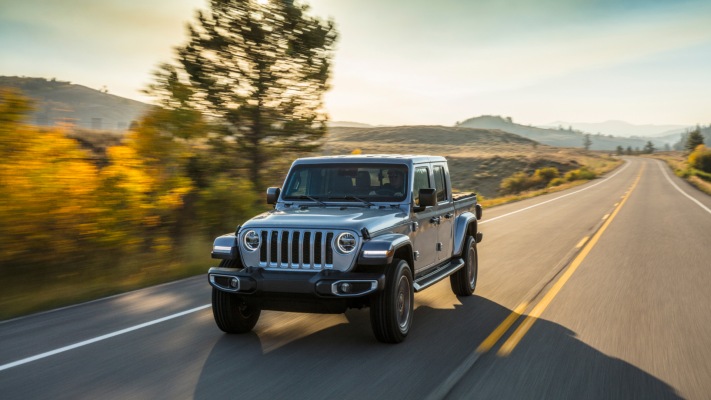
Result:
x=440 y=185
x=422 y=181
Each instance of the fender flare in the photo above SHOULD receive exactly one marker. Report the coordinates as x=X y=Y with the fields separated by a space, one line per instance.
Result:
x=461 y=230
x=226 y=247
x=380 y=250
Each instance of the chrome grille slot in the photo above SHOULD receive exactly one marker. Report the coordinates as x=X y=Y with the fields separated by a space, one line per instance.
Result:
x=329 y=248
x=295 y=247
x=310 y=250
x=306 y=247
x=273 y=247
x=318 y=246
x=284 y=240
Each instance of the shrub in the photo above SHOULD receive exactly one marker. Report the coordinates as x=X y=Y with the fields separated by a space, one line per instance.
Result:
x=556 y=182
x=518 y=182
x=700 y=158
x=580 y=174
x=547 y=174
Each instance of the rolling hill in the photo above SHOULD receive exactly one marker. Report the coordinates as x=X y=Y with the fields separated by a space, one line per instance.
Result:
x=479 y=159
x=58 y=102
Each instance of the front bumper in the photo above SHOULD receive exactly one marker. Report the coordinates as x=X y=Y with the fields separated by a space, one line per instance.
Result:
x=259 y=282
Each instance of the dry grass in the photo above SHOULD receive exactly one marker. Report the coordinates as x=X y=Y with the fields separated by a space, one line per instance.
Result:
x=677 y=161
x=479 y=159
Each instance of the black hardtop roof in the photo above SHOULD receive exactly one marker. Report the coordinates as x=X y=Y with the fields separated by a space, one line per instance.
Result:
x=371 y=159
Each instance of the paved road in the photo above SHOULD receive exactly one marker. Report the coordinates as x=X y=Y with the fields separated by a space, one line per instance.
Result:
x=610 y=280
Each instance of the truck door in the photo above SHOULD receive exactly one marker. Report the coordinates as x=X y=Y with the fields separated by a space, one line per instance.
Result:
x=445 y=213
x=424 y=235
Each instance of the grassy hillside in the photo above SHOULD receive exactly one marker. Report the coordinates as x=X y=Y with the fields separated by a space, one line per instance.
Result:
x=479 y=159
x=58 y=102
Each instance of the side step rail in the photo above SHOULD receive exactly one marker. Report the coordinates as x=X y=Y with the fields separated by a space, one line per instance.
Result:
x=438 y=274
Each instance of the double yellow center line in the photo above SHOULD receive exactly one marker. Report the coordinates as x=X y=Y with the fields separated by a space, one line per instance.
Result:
x=527 y=323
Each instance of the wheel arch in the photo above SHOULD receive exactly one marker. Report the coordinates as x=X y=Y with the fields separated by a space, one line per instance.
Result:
x=465 y=225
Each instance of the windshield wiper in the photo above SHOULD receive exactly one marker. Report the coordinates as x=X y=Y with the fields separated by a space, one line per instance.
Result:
x=307 y=197
x=351 y=197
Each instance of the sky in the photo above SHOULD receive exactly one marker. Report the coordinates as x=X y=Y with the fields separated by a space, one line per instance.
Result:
x=415 y=62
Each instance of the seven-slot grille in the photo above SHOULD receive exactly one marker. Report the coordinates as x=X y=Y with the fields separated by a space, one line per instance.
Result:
x=297 y=249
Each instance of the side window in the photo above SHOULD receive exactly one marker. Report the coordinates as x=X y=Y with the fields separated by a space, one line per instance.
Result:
x=440 y=183
x=422 y=181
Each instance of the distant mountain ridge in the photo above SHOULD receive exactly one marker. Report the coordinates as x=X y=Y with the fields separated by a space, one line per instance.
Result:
x=564 y=137
x=60 y=102
x=620 y=128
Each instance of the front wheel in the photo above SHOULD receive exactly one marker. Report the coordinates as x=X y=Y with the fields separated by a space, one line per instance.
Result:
x=464 y=280
x=232 y=314
x=391 y=310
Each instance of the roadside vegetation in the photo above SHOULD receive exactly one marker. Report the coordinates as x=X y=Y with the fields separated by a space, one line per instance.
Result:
x=522 y=185
x=693 y=164
x=77 y=227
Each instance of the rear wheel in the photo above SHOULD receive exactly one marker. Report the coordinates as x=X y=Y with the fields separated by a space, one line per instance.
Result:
x=232 y=314
x=391 y=310
x=464 y=280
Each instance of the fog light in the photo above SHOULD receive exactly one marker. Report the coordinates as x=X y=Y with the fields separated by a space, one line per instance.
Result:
x=345 y=287
x=234 y=282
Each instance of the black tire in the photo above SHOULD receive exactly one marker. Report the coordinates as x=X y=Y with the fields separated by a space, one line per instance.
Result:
x=231 y=313
x=391 y=310
x=464 y=280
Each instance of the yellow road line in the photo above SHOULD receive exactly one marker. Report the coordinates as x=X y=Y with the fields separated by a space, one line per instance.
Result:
x=494 y=337
x=522 y=329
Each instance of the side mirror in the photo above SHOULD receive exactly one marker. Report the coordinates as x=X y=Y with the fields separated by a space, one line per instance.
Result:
x=273 y=195
x=427 y=197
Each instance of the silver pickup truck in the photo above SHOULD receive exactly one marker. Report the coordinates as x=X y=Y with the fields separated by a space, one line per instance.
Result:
x=349 y=232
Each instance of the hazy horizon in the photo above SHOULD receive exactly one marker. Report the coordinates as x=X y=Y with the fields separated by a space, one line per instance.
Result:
x=416 y=62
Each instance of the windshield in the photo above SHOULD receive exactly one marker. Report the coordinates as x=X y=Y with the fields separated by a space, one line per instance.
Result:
x=347 y=182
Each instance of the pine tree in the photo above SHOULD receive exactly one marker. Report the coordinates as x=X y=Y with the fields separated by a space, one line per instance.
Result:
x=587 y=142
x=649 y=147
x=261 y=68
x=694 y=139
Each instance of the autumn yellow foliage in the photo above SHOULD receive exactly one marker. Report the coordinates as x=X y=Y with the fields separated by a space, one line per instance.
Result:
x=70 y=219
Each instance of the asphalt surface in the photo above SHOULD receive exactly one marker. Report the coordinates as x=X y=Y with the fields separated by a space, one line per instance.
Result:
x=616 y=272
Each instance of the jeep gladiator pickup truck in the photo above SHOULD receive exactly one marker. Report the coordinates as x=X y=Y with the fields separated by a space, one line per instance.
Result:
x=349 y=232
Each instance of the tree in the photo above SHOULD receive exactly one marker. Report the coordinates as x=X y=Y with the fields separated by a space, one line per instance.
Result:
x=628 y=151
x=649 y=147
x=693 y=140
x=620 y=151
x=587 y=142
x=261 y=68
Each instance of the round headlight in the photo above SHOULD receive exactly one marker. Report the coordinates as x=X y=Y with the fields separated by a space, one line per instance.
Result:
x=251 y=240
x=346 y=242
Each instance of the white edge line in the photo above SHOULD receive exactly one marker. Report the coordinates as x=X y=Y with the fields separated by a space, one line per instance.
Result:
x=666 y=175
x=100 y=338
x=557 y=198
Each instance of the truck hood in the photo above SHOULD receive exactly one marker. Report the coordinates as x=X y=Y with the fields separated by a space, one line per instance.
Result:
x=351 y=218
